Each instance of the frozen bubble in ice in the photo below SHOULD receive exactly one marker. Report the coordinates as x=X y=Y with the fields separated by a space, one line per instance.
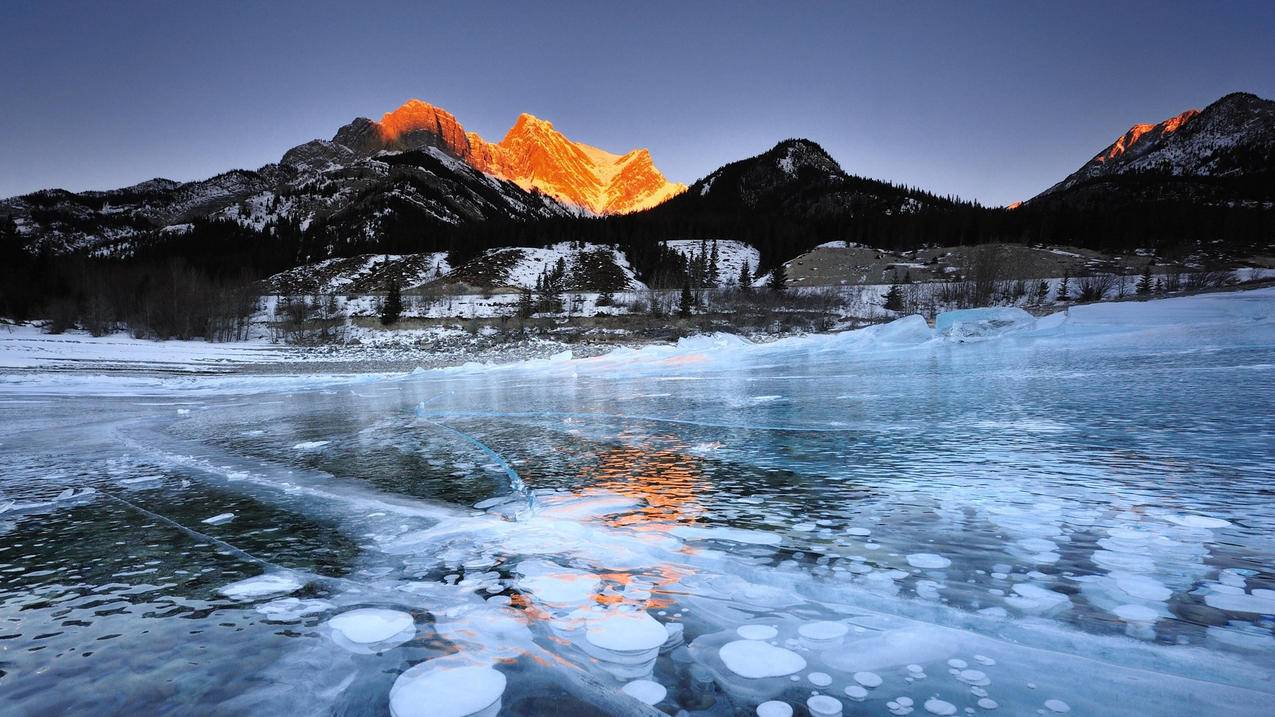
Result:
x=219 y=519
x=756 y=632
x=916 y=669
x=823 y=706
x=1142 y=587
x=936 y=706
x=858 y=532
x=856 y=693
x=1197 y=521
x=868 y=679
x=804 y=527
x=1136 y=613
x=1057 y=706
x=823 y=630
x=645 y=691
x=927 y=589
x=735 y=535
x=292 y=609
x=261 y=586
x=819 y=679
x=309 y=445
x=973 y=677
x=774 y=708
x=984 y=660
x=562 y=589
x=359 y=630
x=957 y=663
x=755 y=659
x=928 y=561
x=625 y=632
x=1260 y=601
x=988 y=703
x=429 y=691
x=904 y=701
x=1034 y=598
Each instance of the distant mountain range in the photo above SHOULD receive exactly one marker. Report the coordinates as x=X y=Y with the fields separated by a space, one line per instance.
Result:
x=417 y=181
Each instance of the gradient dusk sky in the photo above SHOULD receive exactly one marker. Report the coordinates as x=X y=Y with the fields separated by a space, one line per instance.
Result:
x=988 y=101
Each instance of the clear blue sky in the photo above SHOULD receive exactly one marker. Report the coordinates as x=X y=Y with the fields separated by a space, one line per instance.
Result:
x=989 y=101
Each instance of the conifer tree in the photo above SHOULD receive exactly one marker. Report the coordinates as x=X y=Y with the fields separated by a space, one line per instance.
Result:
x=778 y=279
x=894 y=297
x=525 y=305
x=1144 y=283
x=713 y=269
x=745 y=277
x=392 y=308
x=687 y=300
x=1064 y=293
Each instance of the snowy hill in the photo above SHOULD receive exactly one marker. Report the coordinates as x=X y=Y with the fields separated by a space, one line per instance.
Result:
x=731 y=256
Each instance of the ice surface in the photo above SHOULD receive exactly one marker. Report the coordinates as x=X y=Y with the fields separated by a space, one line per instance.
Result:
x=1097 y=540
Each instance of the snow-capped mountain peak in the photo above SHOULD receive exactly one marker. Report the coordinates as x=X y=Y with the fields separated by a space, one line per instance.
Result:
x=533 y=154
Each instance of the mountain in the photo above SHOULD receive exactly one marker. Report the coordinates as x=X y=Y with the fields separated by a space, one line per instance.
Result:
x=1223 y=153
x=796 y=178
x=374 y=186
x=341 y=201
x=533 y=155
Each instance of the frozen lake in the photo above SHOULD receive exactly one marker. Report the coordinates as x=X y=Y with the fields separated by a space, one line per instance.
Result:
x=1073 y=514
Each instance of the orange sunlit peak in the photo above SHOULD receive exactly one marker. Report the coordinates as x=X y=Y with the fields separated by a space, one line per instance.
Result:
x=413 y=114
x=1136 y=132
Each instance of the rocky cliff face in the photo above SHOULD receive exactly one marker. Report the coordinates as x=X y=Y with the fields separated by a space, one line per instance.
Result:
x=533 y=155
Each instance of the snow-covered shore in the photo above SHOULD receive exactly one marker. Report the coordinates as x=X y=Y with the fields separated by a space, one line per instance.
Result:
x=27 y=350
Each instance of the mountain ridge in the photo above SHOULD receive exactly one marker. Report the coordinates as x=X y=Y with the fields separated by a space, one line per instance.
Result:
x=1232 y=137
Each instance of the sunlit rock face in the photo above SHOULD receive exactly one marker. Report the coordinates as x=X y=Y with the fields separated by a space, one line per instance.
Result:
x=533 y=155
x=1140 y=132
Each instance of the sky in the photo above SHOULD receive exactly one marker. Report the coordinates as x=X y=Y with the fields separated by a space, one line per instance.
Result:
x=991 y=101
